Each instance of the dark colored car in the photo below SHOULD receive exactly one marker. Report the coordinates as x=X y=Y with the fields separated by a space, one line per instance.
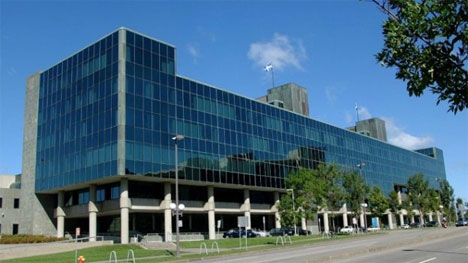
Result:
x=233 y=233
x=415 y=225
x=462 y=222
x=430 y=224
x=303 y=232
x=282 y=231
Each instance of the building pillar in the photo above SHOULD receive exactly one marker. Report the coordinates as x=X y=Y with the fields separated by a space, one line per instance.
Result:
x=211 y=214
x=167 y=213
x=390 y=220
x=60 y=214
x=345 y=215
x=361 y=219
x=399 y=195
x=303 y=223
x=124 y=211
x=402 y=219
x=92 y=210
x=412 y=219
x=430 y=216
x=326 y=227
x=277 y=214
x=247 y=207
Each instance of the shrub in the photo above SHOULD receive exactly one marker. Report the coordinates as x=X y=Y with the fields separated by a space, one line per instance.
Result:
x=21 y=239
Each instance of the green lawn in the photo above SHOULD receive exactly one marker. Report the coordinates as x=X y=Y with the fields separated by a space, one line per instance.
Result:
x=226 y=246
x=91 y=254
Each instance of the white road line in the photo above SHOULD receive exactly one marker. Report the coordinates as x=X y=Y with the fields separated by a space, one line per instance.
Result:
x=427 y=260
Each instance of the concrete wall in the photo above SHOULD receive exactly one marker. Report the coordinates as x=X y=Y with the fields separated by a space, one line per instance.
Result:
x=293 y=96
x=8 y=214
x=37 y=220
x=373 y=127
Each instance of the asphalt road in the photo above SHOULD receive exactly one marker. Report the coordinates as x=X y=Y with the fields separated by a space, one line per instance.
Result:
x=452 y=249
x=409 y=246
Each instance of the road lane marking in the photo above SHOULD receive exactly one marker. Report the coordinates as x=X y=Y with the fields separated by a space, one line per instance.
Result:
x=427 y=260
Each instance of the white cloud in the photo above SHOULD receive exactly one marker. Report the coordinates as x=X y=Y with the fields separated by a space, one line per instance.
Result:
x=348 y=118
x=396 y=135
x=194 y=52
x=281 y=52
x=364 y=113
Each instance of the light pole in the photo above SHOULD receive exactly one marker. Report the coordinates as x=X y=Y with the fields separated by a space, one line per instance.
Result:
x=360 y=165
x=294 y=209
x=364 y=206
x=176 y=139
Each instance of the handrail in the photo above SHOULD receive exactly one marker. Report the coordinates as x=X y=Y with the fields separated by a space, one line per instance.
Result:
x=280 y=238
x=217 y=247
x=130 y=252
x=115 y=256
x=203 y=245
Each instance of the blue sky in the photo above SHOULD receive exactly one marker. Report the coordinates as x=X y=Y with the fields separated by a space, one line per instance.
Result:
x=326 y=46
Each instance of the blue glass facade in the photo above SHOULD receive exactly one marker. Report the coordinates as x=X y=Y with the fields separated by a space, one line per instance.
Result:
x=229 y=139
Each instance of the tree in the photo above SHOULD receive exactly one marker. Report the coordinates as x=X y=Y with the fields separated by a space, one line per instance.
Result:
x=446 y=197
x=417 y=193
x=313 y=190
x=289 y=217
x=393 y=203
x=427 y=42
x=356 y=191
x=460 y=208
x=378 y=202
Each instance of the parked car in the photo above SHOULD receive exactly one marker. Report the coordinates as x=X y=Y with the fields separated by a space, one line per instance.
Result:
x=415 y=225
x=431 y=224
x=373 y=228
x=462 y=222
x=231 y=233
x=282 y=231
x=303 y=232
x=261 y=233
x=347 y=230
x=405 y=226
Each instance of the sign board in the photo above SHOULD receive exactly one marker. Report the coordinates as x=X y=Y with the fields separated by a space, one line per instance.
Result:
x=242 y=221
x=77 y=232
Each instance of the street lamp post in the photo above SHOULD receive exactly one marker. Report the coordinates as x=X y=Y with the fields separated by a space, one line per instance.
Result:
x=294 y=209
x=176 y=139
x=364 y=206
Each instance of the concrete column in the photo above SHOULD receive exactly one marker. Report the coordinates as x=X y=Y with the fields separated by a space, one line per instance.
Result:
x=402 y=219
x=412 y=218
x=211 y=214
x=390 y=220
x=277 y=214
x=247 y=207
x=60 y=214
x=303 y=223
x=430 y=216
x=399 y=196
x=124 y=211
x=345 y=215
x=361 y=218
x=167 y=213
x=92 y=210
x=326 y=228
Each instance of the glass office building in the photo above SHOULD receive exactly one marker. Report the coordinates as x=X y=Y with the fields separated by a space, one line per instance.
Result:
x=107 y=114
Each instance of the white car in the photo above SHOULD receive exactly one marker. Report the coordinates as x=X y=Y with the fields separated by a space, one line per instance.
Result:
x=405 y=226
x=261 y=233
x=347 y=230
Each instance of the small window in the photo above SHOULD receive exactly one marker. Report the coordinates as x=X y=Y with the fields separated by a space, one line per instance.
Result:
x=15 y=229
x=16 y=203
